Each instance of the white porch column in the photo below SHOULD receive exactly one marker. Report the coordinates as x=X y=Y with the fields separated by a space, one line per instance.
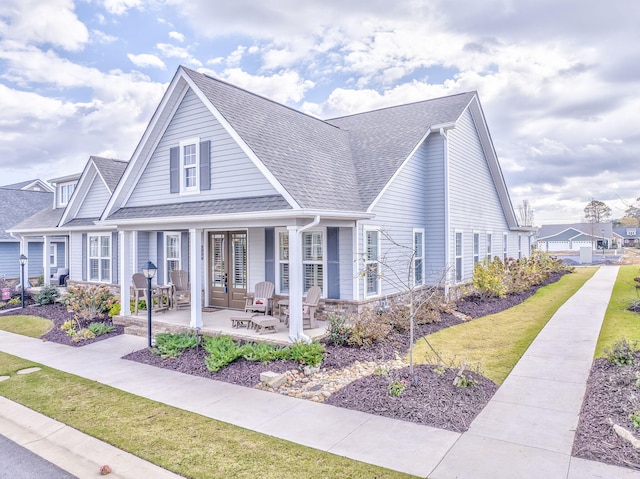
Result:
x=295 y=284
x=195 y=276
x=46 y=266
x=125 y=272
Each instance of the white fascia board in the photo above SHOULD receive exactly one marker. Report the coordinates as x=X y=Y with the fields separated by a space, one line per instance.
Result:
x=80 y=192
x=150 y=138
x=397 y=172
x=248 y=151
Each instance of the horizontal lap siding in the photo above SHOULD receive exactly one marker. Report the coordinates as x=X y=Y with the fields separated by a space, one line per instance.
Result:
x=474 y=203
x=95 y=201
x=9 y=260
x=233 y=174
x=401 y=208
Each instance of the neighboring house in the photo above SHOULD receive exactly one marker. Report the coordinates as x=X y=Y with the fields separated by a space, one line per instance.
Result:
x=17 y=202
x=628 y=236
x=78 y=203
x=572 y=237
x=237 y=189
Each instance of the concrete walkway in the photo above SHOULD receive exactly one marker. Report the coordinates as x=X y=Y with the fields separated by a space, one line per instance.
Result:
x=526 y=430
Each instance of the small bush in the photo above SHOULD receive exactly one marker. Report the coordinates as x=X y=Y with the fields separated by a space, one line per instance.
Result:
x=89 y=301
x=222 y=351
x=622 y=352
x=114 y=310
x=308 y=354
x=172 y=345
x=47 y=295
x=397 y=387
x=99 y=328
x=338 y=331
x=82 y=335
x=70 y=326
x=14 y=301
x=367 y=328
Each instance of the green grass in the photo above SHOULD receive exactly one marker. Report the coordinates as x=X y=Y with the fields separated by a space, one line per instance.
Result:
x=32 y=326
x=618 y=322
x=493 y=344
x=186 y=443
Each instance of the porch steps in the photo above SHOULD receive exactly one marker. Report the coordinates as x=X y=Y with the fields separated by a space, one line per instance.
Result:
x=138 y=326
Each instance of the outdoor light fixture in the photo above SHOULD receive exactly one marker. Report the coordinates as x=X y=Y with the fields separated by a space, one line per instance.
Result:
x=23 y=261
x=149 y=271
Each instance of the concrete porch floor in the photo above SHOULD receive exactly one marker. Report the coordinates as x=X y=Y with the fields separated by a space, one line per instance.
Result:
x=213 y=323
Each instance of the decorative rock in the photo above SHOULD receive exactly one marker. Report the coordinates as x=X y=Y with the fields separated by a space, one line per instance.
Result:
x=627 y=435
x=267 y=376
x=4 y=378
x=28 y=370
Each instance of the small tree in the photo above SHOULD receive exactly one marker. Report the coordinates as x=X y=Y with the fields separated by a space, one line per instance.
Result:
x=596 y=212
x=525 y=213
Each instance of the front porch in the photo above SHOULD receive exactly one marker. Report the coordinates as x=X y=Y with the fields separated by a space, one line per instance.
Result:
x=214 y=322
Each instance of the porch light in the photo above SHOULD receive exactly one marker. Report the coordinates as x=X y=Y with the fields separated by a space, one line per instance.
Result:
x=23 y=261
x=149 y=271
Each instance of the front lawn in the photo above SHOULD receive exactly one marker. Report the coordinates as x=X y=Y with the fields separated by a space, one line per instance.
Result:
x=32 y=326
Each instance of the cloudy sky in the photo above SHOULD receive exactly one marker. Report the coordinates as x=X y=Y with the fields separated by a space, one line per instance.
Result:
x=559 y=80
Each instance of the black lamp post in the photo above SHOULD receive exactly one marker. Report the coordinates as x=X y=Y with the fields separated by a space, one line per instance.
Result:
x=149 y=271
x=23 y=261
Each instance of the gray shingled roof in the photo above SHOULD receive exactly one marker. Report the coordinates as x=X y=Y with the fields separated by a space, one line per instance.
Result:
x=17 y=186
x=594 y=229
x=44 y=219
x=341 y=163
x=17 y=205
x=110 y=169
x=194 y=208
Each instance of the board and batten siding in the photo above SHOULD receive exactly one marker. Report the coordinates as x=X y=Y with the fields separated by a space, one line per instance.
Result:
x=400 y=209
x=34 y=262
x=233 y=174
x=435 y=223
x=255 y=257
x=346 y=257
x=473 y=199
x=95 y=201
x=10 y=259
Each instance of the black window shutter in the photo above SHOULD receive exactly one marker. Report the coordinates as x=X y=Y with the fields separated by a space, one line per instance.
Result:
x=333 y=263
x=269 y=255
x=84 y=256
x=174 y=169
x=205 y=165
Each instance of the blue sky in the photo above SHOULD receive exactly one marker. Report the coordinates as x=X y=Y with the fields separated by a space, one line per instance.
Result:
x=558 y=80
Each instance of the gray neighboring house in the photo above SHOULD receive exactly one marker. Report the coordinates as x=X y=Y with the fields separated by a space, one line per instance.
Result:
x=627 y=236
x=572 y=237
x=236 y=189
x=19 y=201
x=77 y=204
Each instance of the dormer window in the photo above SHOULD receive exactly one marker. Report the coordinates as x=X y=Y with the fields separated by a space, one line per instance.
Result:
x=65 y=191
x=631 y=232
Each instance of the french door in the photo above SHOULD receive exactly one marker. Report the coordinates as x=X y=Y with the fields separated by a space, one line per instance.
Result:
x=228 y=269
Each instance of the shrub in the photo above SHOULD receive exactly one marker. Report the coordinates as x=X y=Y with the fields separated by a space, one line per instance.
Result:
x=367 y=328
x=397 y=387
x=622 y=352
x=308 y=354
x=14 y=301
x=114 y=310
x=99 y=328
x=47 y=295
x=338 y=330
x=172 y=345
x=69 y=327
x=82 y=335
x=89 y=301
x=222 y=351
x=489 y=279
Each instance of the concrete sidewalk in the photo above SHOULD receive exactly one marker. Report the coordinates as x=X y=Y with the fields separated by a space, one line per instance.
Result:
x=525 y=431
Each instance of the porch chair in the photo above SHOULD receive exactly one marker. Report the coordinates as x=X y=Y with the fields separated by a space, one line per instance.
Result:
x=181 y=288
x=138 y=291
x=309 y=306
x=262 y=299
x=59 y=278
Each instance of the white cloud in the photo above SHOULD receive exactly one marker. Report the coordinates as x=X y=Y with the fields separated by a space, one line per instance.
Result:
x=146 y=60
x=38 y=23
x=171 y=51
x=98 y=36
x=120 y=7
x=176 y=36
x=283 y=87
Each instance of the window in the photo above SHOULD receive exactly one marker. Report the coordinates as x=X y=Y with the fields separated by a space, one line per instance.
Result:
x=476 y=247
x=372 y=266
x=172 y=254
x=190 y=165
x=505 y=248
x=100 y=258
x=458 y=257
x=53 y=255
x=418 y=256
x=489 y=246
x=64 y=193
x=312 y=259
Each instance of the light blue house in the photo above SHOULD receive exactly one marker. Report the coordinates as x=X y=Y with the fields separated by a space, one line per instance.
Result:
x=238 y=189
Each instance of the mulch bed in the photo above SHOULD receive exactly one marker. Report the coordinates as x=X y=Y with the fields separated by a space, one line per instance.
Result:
x=59 y=314
x=612 y=395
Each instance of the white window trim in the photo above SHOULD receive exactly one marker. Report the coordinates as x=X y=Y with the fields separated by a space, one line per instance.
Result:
x=183 y=188
x=65 y=186
x=475 y=254
x=279 y=261
x=99 y=258
x=455 y=256
x=167 y=278
x=53 y=255
x=416 y=257
x=367 y=262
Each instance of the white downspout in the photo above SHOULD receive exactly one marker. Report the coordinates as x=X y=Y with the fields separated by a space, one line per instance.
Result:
x=295 y=282
x=447 y=248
